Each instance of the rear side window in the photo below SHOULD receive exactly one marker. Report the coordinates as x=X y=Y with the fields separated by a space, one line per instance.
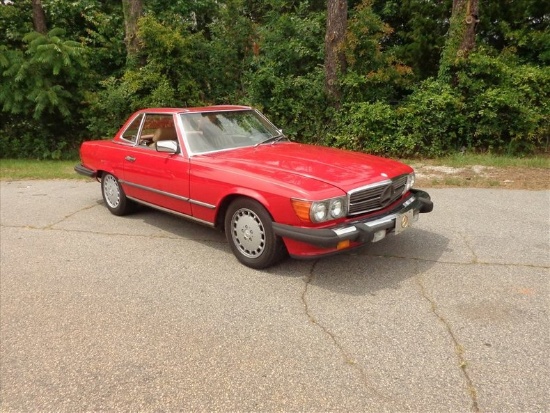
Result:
x=131 y=132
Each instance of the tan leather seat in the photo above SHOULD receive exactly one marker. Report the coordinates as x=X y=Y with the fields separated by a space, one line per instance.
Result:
x=165 y=134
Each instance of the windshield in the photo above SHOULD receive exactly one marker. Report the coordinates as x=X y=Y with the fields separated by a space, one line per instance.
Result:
x=214 y=131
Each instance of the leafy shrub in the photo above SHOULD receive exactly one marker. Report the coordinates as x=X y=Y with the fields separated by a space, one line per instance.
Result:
x=20 y=137
x=508 y=104
x=369 y=127
x=41 y=94
x=286 y=77
x=496 y=105
x=295 y=103
x=432 y=119
x=427 y=124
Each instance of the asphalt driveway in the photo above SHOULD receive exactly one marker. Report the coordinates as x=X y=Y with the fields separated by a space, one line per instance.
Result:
x=152 y=313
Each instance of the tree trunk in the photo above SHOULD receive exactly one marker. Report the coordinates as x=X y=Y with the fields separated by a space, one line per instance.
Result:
x=39 y=17
x=468 y=12
x=335 y=59
x=133 y=10
x=462 y=32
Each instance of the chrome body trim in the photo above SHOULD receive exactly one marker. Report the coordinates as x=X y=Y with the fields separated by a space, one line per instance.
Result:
x=156 y=191
x=168 y=194
x=202 y=204
x=345 y=230
x=170 y=211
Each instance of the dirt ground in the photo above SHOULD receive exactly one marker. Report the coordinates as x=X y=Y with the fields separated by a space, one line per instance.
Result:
x=477 y=176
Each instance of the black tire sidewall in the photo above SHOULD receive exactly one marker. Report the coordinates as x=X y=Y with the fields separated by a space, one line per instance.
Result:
x=274 y=249
x=122 y=207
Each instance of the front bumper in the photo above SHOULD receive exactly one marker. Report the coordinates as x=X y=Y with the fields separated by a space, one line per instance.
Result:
x=362 y=230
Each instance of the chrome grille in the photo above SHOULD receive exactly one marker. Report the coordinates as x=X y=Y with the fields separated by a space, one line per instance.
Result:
x=376 y=196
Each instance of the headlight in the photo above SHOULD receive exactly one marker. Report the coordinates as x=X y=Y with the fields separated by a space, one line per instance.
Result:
x=337 y=208
x=410 y=182
x=320 y=211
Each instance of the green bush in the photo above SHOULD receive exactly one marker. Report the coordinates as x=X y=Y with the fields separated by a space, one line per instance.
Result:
x=432 y=119
x=20 y=137
x=496 y=105
x=369 y=127
x=507 y=103
x=429 y=123
x=295 y=103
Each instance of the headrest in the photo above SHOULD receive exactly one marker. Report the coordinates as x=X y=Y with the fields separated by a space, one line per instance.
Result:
x=165 y=134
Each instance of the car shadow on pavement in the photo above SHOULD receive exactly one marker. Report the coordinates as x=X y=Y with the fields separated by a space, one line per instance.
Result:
x=172 y=225
x=376 y=267
x=379 y=266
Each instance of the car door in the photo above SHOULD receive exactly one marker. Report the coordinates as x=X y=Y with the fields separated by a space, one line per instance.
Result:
x=157 y=178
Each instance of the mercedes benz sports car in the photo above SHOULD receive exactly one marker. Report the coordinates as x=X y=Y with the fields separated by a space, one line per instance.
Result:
x=230 y=168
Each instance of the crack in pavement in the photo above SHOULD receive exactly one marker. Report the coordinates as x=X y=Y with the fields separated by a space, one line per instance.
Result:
x=465 y=239
x=458 y=348
x=68 y=216
x=476 y=262
x=118 y=234
x=50 y=227
x=348 y=359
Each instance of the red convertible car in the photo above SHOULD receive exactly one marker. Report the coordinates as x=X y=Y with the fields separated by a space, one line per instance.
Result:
x=230 y=168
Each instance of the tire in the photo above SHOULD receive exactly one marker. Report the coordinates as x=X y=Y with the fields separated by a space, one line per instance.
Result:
x=114 y=195
x=250 y=234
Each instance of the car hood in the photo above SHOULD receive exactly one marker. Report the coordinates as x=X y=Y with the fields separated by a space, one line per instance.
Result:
x=343 y=169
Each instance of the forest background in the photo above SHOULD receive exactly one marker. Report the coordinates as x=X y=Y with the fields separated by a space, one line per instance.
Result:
x=411 y=78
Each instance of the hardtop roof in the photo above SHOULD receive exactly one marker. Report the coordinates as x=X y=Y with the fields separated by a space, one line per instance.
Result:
x=198 y=109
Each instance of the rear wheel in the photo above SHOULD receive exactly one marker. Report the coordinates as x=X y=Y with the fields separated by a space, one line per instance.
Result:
x=250 y=234
x=114 y=195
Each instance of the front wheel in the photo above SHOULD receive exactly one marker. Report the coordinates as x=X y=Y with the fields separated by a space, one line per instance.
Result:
x=114 y=195
x=250 y=234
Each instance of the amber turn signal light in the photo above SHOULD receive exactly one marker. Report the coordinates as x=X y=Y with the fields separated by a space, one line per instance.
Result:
x=302 y=208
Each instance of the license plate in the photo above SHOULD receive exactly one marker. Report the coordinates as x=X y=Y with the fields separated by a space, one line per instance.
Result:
x=403 y=221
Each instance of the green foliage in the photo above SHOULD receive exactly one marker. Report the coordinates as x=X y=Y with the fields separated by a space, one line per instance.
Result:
x=372 y=75
x=15 y=23
x=520 y=25
x=228 y=54
x=508 y=102
x=19 y=135
x=291 y=41
x=286 y=78
x=167 y=77
x=433 y=119
x=497 y=106
x=427 y=124
x=40 y=89
x=419 y=32
x=368 y=127
x=194 y=15
x=75 y=82
x=39 y=80
x=295 y=103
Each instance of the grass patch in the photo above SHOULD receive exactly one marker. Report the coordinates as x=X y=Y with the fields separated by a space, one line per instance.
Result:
x=19 y=169
x=459 y=160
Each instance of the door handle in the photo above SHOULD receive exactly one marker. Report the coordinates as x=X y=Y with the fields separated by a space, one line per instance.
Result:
x=130 y=159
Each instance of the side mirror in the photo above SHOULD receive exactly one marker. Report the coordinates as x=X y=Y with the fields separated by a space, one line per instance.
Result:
x=166 y=146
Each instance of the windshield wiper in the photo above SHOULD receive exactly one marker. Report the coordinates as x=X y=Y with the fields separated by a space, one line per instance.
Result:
x=273 y=139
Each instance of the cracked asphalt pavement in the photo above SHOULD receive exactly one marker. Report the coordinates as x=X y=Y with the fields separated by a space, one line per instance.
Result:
x=150 y=312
